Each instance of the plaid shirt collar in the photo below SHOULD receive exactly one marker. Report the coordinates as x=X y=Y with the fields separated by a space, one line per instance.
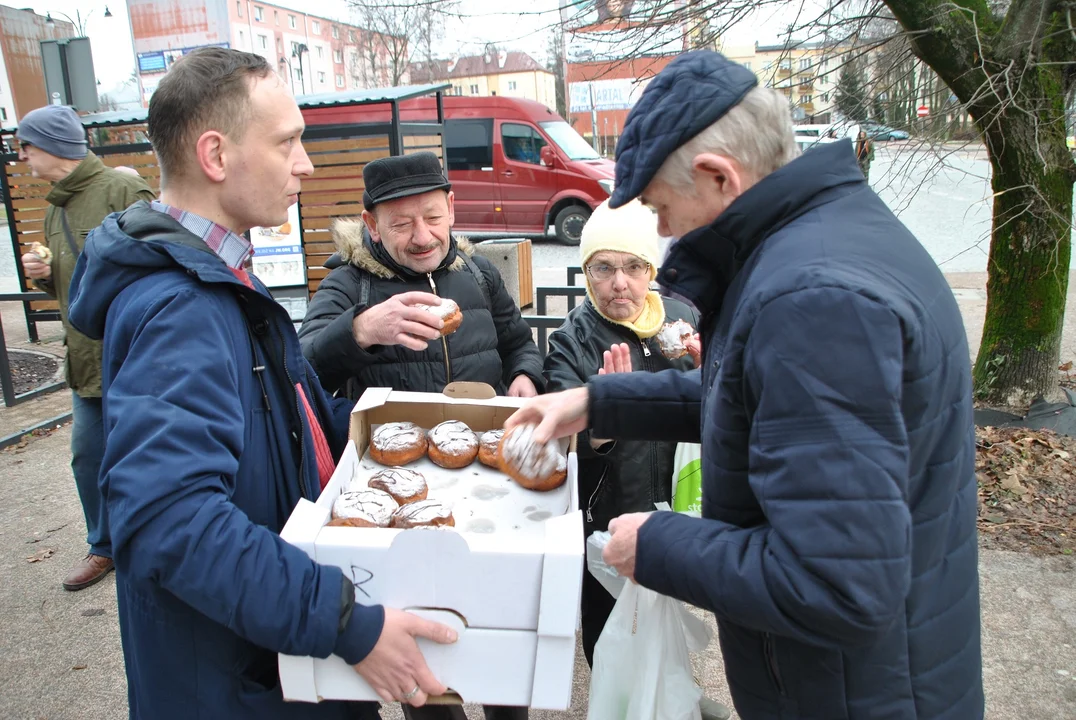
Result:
x=234 y=250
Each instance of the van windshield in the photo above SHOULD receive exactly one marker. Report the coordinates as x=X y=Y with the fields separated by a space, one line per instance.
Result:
x=568 y=140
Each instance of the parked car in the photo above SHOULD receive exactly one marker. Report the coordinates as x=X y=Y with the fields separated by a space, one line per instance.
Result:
x=884 y=132
x=516 y=167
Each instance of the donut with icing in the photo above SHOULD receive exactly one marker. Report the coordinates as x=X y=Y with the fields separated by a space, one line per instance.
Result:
x=673 y=338
x=449 y=312
x=535 y=467
x=398 y=443
x=452 y=445
x=404 y=485
x=424 y=513
x=42 y=251
x=487 y=448
x=364 y=508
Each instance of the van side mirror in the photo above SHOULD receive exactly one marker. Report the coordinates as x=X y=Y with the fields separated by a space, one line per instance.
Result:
x=546 y=156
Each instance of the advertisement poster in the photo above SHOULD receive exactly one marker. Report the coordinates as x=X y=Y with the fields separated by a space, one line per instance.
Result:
x=278 y=252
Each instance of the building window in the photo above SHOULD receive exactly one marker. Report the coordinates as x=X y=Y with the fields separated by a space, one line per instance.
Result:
x=805 y=64
x=257 y=13
x=805 y=99
x=264 y=40
x=321 y=52
x=239 y=8
x=338 y=56
x=474 y=89
x=786 y=64
x=336 y=33
x=315 y=27
x=351 y=36
x=294 y=49
x=511 y=84
x=291 y=21
x=242 y=40
x=339 y=80
x=276 y=17
x=3 y=114
x=824 y=97
x=279 y=45
x=321 y=78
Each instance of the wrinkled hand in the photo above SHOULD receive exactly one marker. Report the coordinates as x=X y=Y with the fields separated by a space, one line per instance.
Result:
x=617 y=360
x=624 y=534
x=557 y=415
x=395 y=666
x=35 y=267
x=523 y=387
x=694 y=349
x=397 y=322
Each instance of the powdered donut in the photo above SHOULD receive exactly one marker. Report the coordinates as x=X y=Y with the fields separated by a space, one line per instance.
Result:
x=364 y=508
x=533 y=466
x=42 y=251
x=673 y=337
x=452 y=445
x=449 y=312
x=487 y=448
x=424 y=513
x=405 y=486
x=398 y=443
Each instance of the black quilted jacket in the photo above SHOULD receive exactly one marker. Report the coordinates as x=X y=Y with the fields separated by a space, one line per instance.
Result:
x=493 y=345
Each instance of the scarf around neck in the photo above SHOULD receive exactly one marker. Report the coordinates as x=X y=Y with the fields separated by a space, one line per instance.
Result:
x=649 y=322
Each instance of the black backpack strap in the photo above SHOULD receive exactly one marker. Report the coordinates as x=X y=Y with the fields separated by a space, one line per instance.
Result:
x=364 y=288
x=68 y=234
x=479 y=276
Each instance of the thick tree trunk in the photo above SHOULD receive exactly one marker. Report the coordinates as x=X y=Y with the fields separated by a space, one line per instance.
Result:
x=1029 y=262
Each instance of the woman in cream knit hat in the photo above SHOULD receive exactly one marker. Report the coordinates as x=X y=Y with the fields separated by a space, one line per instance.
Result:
x=614 y=330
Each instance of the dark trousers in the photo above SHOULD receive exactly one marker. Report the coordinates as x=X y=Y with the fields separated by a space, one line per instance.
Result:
x=87 y=449
x=595 y=608
x=455 y=712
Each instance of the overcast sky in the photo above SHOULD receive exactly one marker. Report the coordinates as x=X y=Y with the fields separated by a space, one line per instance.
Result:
x=482 y=21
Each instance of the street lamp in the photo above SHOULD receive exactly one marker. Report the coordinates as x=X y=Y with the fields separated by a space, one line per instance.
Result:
x=78 y=21
x=297 y=53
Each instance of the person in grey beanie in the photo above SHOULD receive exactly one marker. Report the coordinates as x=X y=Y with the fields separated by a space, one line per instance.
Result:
x=52 y=142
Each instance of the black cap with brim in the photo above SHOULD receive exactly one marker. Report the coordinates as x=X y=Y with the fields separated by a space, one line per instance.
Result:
x=392 y=178
x=692 y=93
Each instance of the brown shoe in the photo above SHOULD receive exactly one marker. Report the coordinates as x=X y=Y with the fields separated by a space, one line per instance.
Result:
x=89 y=570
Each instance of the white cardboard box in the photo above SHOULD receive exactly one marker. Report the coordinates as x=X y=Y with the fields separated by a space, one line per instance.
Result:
x=512 y=596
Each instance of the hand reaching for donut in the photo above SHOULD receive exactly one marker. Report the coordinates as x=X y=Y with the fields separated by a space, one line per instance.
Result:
x=395 y=668
x=694 y=349
x=397 y=321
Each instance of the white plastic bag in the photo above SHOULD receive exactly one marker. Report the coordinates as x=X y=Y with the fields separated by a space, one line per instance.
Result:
x=642 y=670
x=687 y=479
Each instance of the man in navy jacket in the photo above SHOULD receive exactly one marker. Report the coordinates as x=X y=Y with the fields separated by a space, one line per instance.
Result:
x=216 y=426
x=837 y=546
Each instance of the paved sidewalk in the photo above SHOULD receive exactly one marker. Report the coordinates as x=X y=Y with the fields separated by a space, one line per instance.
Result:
x=60 y=656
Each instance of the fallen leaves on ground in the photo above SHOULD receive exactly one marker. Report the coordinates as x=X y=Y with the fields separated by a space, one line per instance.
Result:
x=40 y=555
x=1027 y=490
x=1068 y=375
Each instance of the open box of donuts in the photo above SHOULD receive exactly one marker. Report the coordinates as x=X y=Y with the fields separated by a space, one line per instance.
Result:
x=499 y=562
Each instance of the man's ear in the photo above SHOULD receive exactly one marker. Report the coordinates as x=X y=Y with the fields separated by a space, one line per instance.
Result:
x=718 y=173
x=451 y=208
x=210 y=153
x=371 y=224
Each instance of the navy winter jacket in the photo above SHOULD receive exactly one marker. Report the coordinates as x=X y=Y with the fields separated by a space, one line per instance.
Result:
x=203 y=464
x=838 y=541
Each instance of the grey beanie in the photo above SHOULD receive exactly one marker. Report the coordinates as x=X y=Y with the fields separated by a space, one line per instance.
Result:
x=55 y=129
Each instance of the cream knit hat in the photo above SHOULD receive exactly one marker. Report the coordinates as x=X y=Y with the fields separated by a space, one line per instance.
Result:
x=630 y=229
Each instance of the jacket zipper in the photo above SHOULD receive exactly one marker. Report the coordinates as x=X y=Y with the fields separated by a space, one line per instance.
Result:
x=771 y=661
x=594 y=495
x=654 y=479
x=300 y=436
x=444 y=340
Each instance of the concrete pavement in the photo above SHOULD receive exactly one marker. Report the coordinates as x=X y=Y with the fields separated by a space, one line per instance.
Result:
x=60 y=656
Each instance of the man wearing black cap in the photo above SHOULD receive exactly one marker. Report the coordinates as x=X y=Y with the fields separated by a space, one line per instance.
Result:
x=837 y=546
x=52 y=142
x=362 y=328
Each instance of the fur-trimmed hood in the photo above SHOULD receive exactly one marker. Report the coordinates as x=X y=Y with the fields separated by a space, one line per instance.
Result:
x=350 y=248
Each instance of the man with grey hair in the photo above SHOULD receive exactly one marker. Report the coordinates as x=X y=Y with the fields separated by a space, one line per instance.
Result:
x=837 y=546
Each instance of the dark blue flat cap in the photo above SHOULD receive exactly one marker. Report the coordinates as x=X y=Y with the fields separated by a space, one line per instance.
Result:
x=399 y=176
x=688 y=96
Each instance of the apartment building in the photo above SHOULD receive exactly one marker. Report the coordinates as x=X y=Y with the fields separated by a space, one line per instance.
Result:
x=506 y=73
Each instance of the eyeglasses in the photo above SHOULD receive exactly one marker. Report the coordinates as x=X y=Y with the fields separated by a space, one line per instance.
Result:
x=604 y=271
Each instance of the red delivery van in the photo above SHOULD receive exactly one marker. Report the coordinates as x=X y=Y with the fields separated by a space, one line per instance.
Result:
x=516 y=167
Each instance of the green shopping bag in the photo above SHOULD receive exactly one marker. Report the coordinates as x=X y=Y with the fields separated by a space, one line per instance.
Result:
x=687 y=479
